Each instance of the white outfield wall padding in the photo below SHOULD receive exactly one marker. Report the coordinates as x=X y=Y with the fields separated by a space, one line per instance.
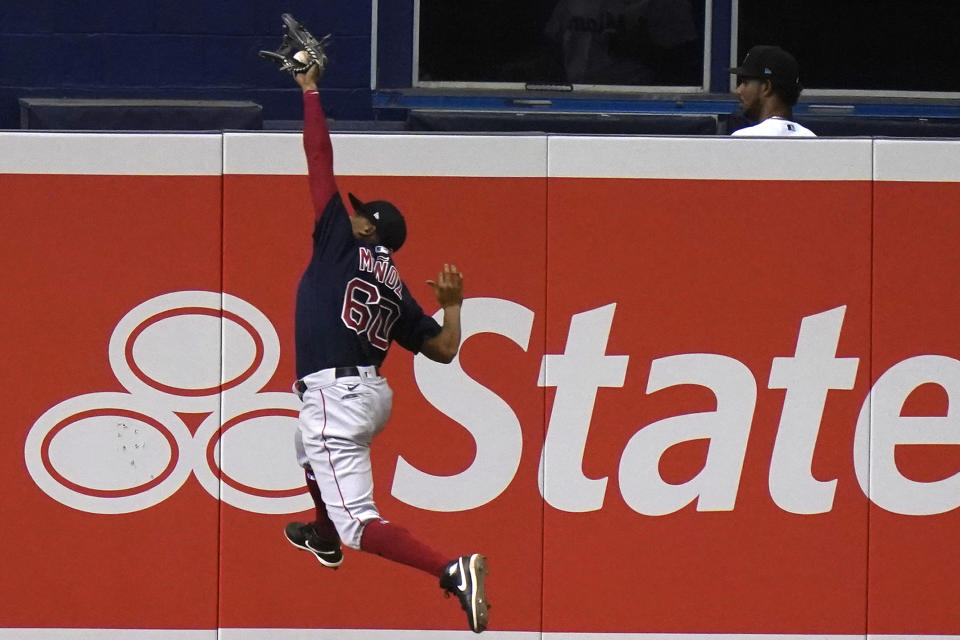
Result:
x=205 y=154
x=108 y=634
x=710 y=158
x=410 y=634
x=481 y=156
x=122 y=154
x=916 y=160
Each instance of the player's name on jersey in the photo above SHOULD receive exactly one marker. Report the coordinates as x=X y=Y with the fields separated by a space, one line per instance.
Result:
x=382 y=269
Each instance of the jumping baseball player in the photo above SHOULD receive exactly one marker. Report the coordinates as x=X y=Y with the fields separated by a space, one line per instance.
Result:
x=768 y=85
x=351 y=305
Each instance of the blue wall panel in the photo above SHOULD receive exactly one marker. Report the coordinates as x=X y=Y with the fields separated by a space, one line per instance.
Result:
x=395 y=46
x=207 y=50
x=176 y=49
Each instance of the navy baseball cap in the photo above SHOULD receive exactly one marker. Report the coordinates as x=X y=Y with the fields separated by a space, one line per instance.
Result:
x=389 y=222
x=772 y=63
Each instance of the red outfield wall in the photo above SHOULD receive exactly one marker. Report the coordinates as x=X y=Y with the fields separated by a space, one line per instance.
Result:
x=705 y=386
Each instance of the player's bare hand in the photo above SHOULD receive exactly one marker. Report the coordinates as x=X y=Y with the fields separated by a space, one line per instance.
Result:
x=448 y=287
x=308 y=79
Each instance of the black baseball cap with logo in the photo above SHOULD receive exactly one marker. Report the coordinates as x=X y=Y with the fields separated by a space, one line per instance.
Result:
x=389 y=222
x=771 y=63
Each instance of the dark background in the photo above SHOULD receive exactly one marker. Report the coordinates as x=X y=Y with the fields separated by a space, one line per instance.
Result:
x=861 y=44
x=504 y=41
x=207 y=50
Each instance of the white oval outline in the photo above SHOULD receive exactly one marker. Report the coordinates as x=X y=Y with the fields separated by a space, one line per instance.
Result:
x=205 y=300
x=92 y=474
x=268 y=336
x=133 y=319
x=159 y=405
x=236 y=404
x=33 y=454
x=166 y=359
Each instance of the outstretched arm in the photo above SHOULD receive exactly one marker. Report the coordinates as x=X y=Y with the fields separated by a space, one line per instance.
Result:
x=448 y=288
x=316 y=142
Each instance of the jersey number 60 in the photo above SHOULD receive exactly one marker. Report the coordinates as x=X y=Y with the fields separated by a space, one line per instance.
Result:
x=368 y=313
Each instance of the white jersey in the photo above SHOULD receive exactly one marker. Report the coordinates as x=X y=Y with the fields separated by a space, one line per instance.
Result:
x=776 y=127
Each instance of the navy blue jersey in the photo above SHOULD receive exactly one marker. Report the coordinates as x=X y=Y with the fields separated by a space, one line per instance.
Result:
x=351 y=302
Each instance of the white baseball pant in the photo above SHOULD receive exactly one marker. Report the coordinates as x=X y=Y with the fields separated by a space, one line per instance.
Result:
x=338 y=420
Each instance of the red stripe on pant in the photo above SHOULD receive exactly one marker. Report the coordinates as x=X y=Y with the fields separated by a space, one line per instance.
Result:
x=329 y=456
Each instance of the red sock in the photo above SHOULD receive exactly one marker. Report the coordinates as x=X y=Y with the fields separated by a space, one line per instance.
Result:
x=397 y=544
x=323 y=524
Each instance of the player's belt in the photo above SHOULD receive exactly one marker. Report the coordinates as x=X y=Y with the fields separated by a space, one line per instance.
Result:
x=300 y=386
x=346 y=372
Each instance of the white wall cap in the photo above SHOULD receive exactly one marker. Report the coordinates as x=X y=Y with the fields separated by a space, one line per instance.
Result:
x=161 y=154
x=711 y=158
x=392 y=154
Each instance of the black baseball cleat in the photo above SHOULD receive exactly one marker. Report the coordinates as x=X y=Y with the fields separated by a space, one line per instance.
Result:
x=464 y=578
x=304 y=536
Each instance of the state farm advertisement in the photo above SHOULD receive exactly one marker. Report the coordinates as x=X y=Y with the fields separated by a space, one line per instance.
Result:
x=695 y=398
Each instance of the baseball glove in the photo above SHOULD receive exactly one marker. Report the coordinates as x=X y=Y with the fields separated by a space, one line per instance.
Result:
x=297 y=37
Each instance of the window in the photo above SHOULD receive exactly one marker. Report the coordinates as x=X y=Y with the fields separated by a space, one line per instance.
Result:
x=860 y=46
x=573 y=43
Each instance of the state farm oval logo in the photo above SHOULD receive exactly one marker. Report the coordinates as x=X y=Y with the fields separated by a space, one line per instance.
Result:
x=141 y=445
x=108 y=453
x=191 y=369
x=187 y=352
x=162 y=347
x=246 y=457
